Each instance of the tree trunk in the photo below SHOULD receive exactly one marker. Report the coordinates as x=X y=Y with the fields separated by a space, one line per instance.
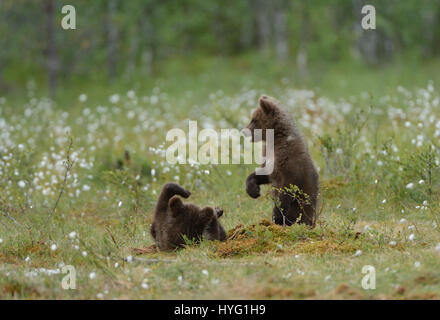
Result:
x=51 y=59
x=112 y=39
x=367 y=40
x=280 y=30
x=147 y=56
x=263 y=24
x=302 y=57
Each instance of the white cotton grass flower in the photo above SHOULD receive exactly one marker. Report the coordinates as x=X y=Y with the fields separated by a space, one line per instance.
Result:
x=410 y=186
x=72 y=235
x=129 y=259
x=116 y=264
x=411 y=237
x=53 y=247
x=27 y=259
x=92 y=275
x=114 y=98
x=144 y=285
x=421 y=181
x=86 y=187
x=1 y=240
x=392 y=243
x=84 y=253
x=21 y=184
x=205 y=272
x=384 y=201
x=403 y=220
x=358 y=253
x=417 y=264
x=82 y=97
x=100 y=295
x=119 y=204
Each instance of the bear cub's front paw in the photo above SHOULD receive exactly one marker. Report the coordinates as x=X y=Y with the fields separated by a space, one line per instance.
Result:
x=252 y=189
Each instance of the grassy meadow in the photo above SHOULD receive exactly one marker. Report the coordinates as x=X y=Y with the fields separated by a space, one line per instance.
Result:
x=79 y=180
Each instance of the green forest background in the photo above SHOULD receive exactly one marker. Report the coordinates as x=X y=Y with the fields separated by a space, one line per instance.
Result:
x=140 y=41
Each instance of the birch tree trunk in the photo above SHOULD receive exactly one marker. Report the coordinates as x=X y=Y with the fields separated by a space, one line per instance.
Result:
x=51 y=59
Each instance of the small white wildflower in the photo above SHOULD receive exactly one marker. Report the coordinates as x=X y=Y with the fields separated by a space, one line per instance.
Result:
x=403 y=220
x=180 y=279
x=353 y=209
x=425 y=203
x=84 y=253
x=327 y=278
x=92 y=275
x=392 y=243
x=206 y=171
x=119 y=203
x=417 y=264
x=76 y=247
x=129 y=259
x=27 y=259
x=437 y=247
x=205 y=272
x=100 y=295
x=358 y=253
x=144 y=285
x=86 y=187
x=72 y=235
x=1 y=240
x=21 y=184
x=411 y=237
x=82 y=97
x=114 y=98
x=53 y=247
x=384 y=201
x=297 y=256
x=116 y=264
x=410 y=186
x=421 y=181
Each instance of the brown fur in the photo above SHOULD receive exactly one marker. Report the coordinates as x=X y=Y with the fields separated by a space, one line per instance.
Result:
x=292 y=165
x=174 y=219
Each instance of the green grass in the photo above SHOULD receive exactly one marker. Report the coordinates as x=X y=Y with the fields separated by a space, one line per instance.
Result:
x=367 y=155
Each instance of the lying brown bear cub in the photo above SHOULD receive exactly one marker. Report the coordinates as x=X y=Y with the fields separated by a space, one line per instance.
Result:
x=174 y=220
x=293 y=167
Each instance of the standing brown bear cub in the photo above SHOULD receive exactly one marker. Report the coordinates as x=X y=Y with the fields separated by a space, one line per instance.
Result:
x=174 y=220
x=293 y=167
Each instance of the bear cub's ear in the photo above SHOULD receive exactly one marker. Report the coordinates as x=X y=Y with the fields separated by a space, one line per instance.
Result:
x=266 y=104
x=218 y=212
x=176 y=205
x=207 y=214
